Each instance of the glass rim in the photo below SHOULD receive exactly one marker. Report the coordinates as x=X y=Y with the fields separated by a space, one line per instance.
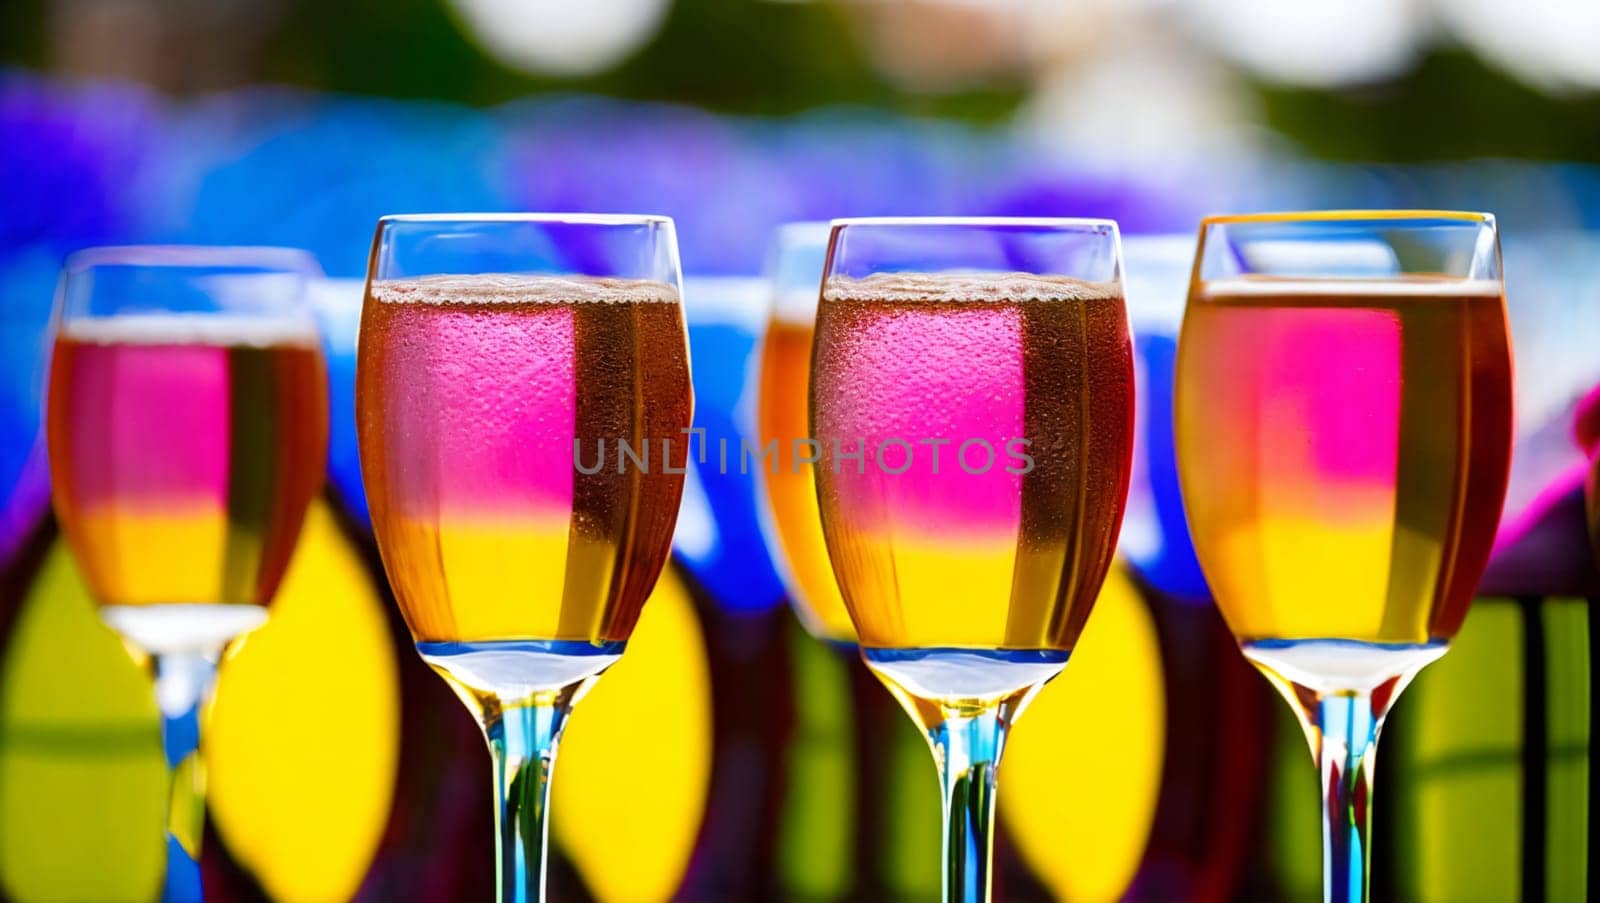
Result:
x=1344 y=216
x=178 y=256
x=575 y=219
x=1056 y=223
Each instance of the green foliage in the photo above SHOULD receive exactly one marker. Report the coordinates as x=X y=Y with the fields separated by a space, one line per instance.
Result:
x=1453 y=106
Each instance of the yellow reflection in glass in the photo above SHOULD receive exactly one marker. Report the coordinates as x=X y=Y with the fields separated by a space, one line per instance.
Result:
x=631 y=776
x=81 y=771
x=1083 y=770
x=302 y=743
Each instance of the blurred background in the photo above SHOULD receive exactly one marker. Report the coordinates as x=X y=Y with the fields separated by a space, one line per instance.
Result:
x=731 y=756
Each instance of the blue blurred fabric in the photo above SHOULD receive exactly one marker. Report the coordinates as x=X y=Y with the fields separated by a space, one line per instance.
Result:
x=27 y=284
x=1168 y=559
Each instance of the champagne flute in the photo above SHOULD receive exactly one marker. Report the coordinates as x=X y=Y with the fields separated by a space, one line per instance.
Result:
x=790 y=516
x=522 y=398
x=1343 y=439
x=972 y=390
x=187 y=424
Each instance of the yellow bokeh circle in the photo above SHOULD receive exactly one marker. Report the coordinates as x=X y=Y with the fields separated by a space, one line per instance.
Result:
x=1082 y=768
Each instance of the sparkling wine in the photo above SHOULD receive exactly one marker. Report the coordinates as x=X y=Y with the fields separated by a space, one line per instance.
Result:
x=791 y=489
x=994 y=415
x=184 y=449
x=484 y=405
x=1344 y=453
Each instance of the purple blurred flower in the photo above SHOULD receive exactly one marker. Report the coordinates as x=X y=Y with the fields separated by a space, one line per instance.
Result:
x=1136 y=207
x=68 y=157
x=606 y=157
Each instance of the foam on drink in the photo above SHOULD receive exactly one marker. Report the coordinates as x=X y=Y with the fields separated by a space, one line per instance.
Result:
x=1353 y=290
x=966 y=288
x=521 y=290
x=191 y=329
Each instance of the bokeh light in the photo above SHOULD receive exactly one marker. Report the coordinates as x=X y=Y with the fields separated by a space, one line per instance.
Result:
x=559 y=37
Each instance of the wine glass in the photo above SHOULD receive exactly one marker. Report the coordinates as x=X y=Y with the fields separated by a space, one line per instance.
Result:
x=187 y=424
x=1343 y=439
x=790 y=517
x=972 y=392
x=522 y=404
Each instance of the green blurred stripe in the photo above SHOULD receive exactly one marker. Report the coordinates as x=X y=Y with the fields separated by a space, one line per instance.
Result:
x=1457 y=779
x=1567 y=701
x=80 y=740
x=817 y=842
x=1481 y=760
x=912 y=797
x=1294 y=817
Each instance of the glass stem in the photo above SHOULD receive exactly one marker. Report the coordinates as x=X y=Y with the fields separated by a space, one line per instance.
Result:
x=1347 y=745
x=183 y=682
x=522 y=739
x=967 y=745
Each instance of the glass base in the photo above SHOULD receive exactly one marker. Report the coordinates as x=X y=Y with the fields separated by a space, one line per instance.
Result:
x=1340 y=666
x=516 y=669
x=182 y=628
x=952 y=673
